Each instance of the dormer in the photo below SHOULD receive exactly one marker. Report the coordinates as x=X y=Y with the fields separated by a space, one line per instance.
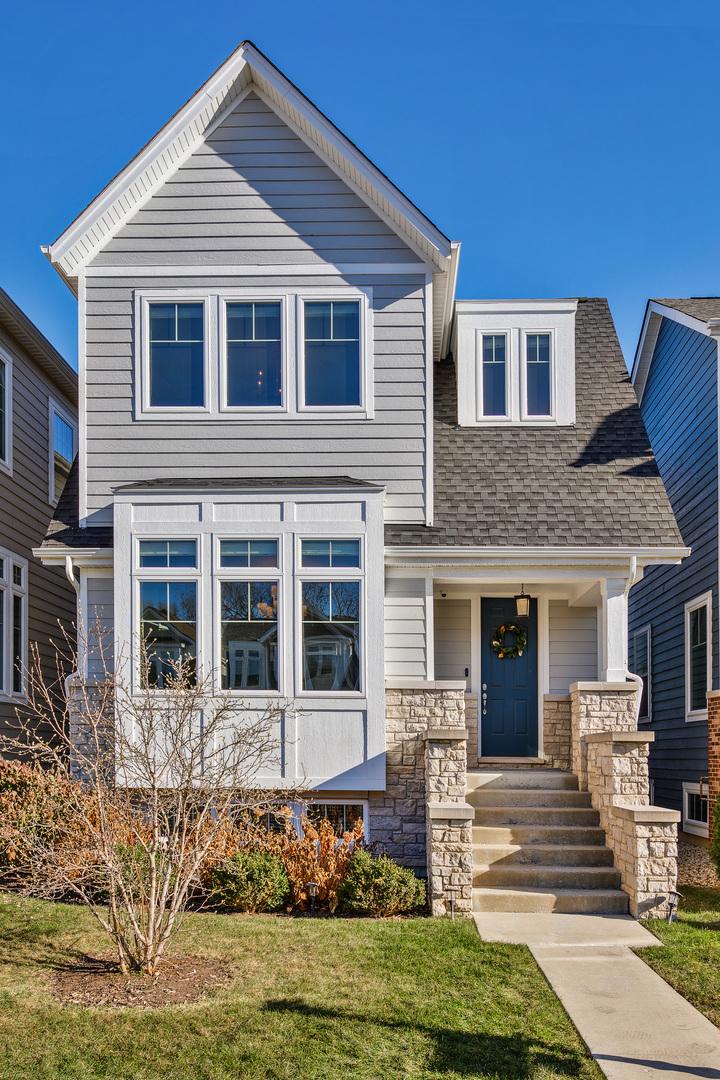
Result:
x=515 y=362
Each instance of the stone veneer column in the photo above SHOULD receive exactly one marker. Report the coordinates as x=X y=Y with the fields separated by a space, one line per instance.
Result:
x=643 y=838
x=713 y=739
x=556 y=730
x=598 y=706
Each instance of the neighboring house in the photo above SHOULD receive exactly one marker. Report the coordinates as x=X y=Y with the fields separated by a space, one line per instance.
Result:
x=305 y=464
x=674 y=640
x=38 y=441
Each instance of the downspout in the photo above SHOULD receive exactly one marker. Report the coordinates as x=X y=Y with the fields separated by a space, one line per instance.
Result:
x=74 y=676
x=633 y=578
x=70 y=574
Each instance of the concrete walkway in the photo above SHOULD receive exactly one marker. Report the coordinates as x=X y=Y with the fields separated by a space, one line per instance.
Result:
x=633 y=1023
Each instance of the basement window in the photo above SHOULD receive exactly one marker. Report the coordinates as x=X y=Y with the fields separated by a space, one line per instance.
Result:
x=695 y=809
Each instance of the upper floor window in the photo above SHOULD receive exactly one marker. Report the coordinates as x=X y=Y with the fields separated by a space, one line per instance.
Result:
x=63 y=444
x=177 y=350
x=13 y=624
x=493 y=382
x=641 y=667
x=5 y=412
x=332 y=353
x=538 y=375
x=698 y=656
x=254 y=348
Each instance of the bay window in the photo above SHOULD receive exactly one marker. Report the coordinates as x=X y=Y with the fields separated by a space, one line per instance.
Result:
x=331 y=635
x=249 y=635
x=331 y=553
x=168 y=630
x=248 y=553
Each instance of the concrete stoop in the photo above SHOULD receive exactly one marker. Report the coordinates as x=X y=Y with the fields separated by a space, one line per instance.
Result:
x=538 y=845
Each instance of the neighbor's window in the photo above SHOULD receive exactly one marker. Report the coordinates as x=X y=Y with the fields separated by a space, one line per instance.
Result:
x=494 y=382
x=331 y=553
x=248 y=553
x=13 y=624
x=254 y=354
x=695 y=809
x=249 y=635
x=168 y=628
x=332 y=352
x=168 y=553
x=641 y=664
x=537 y=375
x=177 y=355
x=63 y=438
x=331 y=635
x=697 y=655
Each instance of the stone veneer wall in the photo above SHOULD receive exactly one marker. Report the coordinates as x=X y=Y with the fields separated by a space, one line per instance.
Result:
x=713 y=737
x=643 y=838
x=471 y=722
x=556 y=730
x=598 y=707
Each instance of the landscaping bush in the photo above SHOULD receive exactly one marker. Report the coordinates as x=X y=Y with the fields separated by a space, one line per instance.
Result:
x=318 y=855
x=33 y=803
x=251 y=880
x=715 y=842
x=376 y=885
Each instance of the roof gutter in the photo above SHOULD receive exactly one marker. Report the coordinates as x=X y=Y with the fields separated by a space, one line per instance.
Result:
x=449 y=304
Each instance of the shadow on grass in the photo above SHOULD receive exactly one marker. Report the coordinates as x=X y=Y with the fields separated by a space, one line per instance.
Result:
x=467 y=1053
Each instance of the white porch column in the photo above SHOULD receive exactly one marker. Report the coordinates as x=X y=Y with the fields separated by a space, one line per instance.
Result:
x=613 y=630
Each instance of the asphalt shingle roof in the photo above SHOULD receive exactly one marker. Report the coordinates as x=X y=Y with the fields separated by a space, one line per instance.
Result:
x=595 y=484
x=699 y=307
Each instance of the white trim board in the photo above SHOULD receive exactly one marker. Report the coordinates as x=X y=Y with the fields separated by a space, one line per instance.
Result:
x=645 y=350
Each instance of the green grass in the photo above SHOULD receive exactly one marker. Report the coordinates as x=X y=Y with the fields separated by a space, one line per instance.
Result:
x=689 y=958
x=315 y=999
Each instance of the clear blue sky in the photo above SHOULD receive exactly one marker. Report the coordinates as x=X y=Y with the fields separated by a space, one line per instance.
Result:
x=571 y=145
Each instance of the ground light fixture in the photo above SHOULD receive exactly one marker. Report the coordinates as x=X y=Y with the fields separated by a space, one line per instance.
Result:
x=522 y=604
x=312 y=889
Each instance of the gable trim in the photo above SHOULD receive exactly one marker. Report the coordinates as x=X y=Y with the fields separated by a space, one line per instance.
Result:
x=652 y=321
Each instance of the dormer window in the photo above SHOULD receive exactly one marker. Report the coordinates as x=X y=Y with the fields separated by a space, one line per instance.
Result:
x=515 y=362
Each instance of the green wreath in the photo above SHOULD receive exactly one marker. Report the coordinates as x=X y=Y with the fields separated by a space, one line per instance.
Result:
x=504 y=651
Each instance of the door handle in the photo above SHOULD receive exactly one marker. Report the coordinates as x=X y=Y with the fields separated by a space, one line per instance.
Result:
x=484 y=700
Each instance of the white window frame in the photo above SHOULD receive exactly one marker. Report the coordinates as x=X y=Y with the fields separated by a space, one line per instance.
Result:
x=165 y=573
x=479 y=382
x=143 y=409
x=215 y=353
x=525 y=416
x=330 y=573
x=361 y=297
x=694 y=715
x=8 y=590
x=248 y=573
x=6 y=461
x=257 y=297
x=56 y=409
x=690 y=825
x=645 y=631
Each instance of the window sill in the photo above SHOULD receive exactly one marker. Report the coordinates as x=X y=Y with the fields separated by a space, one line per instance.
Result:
x=13 y=699
x=352 y=695
x=695 y=828
x=696 y=717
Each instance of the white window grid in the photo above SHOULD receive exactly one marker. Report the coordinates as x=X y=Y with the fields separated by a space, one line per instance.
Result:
x=524 y=414
x=10 y=588
x=480 y=378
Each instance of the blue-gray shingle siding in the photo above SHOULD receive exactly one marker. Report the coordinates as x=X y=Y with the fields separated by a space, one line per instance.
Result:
x=680 y=411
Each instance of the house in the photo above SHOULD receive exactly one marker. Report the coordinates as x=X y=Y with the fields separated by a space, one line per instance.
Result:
x=674 y=640
x=305 y=463
x=38 y=441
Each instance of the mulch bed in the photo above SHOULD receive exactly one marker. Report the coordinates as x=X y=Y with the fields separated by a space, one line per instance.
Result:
x=98 y=981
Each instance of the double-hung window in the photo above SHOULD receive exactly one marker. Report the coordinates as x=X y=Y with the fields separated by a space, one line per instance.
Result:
x=249 y=614
x=176 y=355
x=254 y=354
x=538 y=375
x=698 y=656
x=5 y=411
x=642 y=666
x=332 y=375
x=331 y=600
x=493 y=379
x=63 y=445
x=13 y=624
x=695 y=809
x=168 y=610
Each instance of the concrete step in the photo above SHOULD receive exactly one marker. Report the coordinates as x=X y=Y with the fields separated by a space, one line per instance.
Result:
x=538 y=834
x=528 y=797
x=537 y=876
x=578 y=901
x=542 y=854
x=535 y=815
x=521 y=778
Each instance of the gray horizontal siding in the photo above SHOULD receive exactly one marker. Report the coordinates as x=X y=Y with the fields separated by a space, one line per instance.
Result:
x=679 y=408
x=278 y=202
x=389 y=449
x=26 y=511
x=100 y=602
x=573 y=645
x=452 y=639
x=405 y=653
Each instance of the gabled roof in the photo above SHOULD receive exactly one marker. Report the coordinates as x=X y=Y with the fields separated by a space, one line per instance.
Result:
x=695 y=312
x=14 y=320
x=184 y=132
x=595 y=484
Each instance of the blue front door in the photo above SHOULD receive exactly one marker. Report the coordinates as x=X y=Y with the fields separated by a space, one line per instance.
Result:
x=509 y=696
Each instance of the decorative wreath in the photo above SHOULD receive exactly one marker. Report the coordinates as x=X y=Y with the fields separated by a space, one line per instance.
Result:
x=502 y=650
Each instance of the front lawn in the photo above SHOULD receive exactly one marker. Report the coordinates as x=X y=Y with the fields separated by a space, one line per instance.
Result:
x=316 y=999
x=690 y=956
